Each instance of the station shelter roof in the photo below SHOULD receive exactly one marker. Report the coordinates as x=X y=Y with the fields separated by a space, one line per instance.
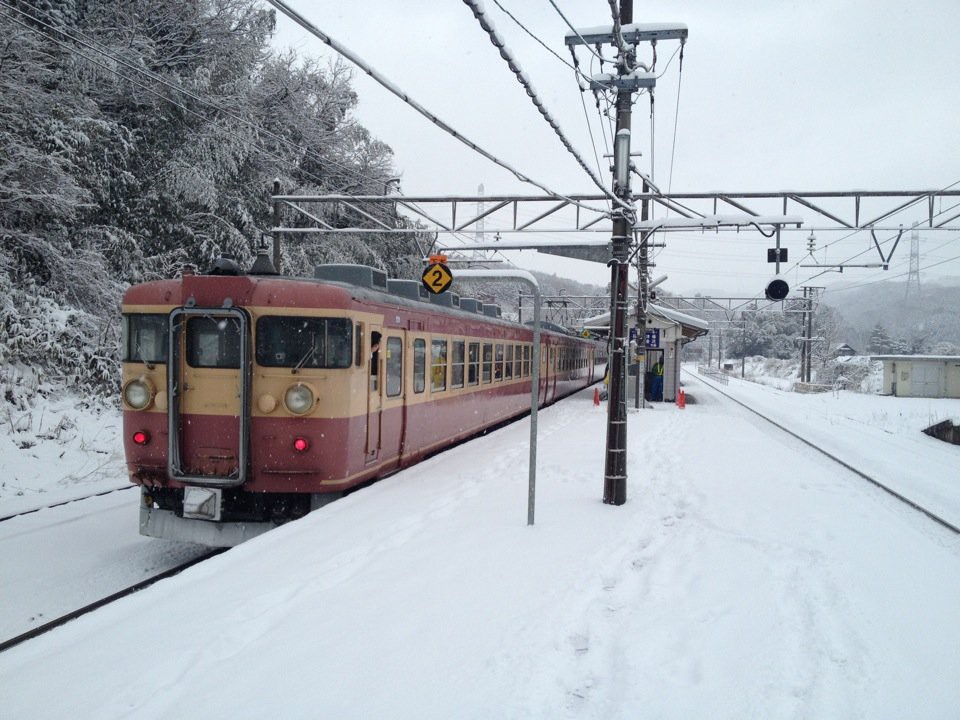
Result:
x=691 y=327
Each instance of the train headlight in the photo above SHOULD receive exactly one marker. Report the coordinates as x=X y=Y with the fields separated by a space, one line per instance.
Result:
x=138 y=394
x=298 y=399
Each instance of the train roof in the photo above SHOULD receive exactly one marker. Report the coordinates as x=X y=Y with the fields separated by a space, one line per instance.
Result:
x=363 y=283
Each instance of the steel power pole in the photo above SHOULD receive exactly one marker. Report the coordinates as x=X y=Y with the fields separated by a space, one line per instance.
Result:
x=615 y=467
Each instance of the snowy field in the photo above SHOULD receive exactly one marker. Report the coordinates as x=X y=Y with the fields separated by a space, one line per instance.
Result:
x=747 y=576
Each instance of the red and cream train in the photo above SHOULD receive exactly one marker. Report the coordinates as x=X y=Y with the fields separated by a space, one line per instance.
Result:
x=250 y=400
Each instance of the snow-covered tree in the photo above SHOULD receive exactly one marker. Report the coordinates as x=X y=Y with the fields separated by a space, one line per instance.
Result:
x=140 y=135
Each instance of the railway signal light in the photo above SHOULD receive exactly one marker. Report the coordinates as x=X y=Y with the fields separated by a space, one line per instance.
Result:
x=777 y=289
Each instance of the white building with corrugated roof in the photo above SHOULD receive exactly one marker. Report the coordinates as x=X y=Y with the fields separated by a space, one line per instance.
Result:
x=933 y=376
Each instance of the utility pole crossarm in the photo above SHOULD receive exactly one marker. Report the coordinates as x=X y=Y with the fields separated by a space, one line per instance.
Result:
x=633 y=33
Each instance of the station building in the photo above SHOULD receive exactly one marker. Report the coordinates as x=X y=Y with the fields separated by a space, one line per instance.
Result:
x=931 y=376
x=666 y=332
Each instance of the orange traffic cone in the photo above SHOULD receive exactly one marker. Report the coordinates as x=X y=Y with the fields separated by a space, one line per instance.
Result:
x=681 y=399
x=596 y=396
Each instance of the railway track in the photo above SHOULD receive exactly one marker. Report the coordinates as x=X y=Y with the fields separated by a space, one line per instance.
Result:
x=136 y=587
x=67 y=502
x=856 y=471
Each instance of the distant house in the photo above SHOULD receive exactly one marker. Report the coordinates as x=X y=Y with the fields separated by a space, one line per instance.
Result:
x=934 y=376
x=844 y=350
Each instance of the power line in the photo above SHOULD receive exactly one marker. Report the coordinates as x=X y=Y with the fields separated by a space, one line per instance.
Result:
x=857 y=230
x=870 y=249
x=577 y=33
x=487 y=24
x=575 y=67
x=676 y=118
x=893 y=277
x=541 y=42
x=395 y=90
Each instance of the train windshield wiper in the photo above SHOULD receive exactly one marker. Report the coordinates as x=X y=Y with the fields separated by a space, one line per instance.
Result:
x=307 y=356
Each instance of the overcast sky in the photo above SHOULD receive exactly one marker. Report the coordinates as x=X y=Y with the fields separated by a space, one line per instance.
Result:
x=814 y=95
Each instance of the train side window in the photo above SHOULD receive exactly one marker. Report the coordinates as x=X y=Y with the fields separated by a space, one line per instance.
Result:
x=518 y=361
x=438 y=365
x=394 y=366
x=358 y=345
x=526 y=360
x=456 y=368
x=508 y=366
x=419 y=365
x=487 y=362
x=304 y=342
x=498 y=363
x=473 y=364
x=375 y=339
x=145 y=338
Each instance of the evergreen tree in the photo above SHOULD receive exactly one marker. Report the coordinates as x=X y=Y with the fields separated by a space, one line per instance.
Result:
x=137 y=136
x=879 y=340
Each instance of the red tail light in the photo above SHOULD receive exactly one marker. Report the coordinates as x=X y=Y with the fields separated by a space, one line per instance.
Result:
x=301 y=444
x=141 y=437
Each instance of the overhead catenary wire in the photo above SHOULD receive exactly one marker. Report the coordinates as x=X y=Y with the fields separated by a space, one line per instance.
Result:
x=573 y=66
x=546 y=47
x=676 y=117
x=487 y=24
x=92 y=45
x=893 y=277
x=858 y=230
x=871 y=249
x=398 y=92
x=577 y=33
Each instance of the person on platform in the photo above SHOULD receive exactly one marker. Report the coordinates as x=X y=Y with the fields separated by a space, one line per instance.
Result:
x=375 y=361
x=656 y=385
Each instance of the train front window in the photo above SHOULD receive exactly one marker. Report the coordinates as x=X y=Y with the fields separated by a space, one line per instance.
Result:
x=145 y=338
x=304 y=342
x=213 y=342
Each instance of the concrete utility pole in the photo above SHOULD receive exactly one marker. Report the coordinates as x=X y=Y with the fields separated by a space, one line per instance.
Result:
x=615 y=466
x=626 y=36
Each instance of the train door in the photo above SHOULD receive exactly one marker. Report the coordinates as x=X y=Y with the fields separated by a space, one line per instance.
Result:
x=376 y=353
x=208 y=386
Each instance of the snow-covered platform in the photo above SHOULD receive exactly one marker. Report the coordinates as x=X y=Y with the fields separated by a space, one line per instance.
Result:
x=747 y=576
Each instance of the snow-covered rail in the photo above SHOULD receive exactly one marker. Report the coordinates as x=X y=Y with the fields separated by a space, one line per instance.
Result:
x=66 y=502
x=712 y=380
x=90 y=607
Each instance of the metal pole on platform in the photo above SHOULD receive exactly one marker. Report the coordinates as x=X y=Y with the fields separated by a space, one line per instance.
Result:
x=524 y=277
